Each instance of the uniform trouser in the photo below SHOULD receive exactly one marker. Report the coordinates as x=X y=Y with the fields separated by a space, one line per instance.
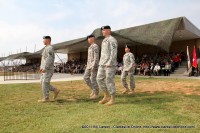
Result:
x=105 y=79
x=90 y=78
x=45 y=81
x=123 y=79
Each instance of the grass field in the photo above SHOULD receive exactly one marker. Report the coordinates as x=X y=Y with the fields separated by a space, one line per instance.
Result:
x=157 y=102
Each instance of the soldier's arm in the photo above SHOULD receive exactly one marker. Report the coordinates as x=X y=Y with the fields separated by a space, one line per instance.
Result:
x=96 y=57
x=132 y=60
x=41 y=65
x=113 y=53
x=50 y=58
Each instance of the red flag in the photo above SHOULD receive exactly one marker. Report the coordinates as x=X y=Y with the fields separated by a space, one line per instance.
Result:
x=194 y=61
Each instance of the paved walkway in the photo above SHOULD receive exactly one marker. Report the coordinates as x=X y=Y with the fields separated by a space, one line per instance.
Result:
x=68 y=77
x=56 y=77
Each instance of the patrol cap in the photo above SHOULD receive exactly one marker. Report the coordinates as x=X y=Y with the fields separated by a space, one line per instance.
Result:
x=105 y=27
x=90 y=36
x=46 y=37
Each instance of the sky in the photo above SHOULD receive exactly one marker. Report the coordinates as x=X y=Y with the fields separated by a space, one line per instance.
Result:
x=23 y=23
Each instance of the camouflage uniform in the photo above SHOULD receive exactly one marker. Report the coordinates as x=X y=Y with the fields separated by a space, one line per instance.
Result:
x=47 y=64
x=92 y=67
x=106 y=75
x=128 y=69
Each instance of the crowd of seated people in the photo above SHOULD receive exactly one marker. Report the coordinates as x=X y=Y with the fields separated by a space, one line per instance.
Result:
x=160 y=64
x=119 y=68
x=74 y=66
x=28 y=67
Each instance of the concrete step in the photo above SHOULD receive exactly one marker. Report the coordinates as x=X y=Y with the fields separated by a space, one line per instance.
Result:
x=181 y=69
x=180 y=72
x=178 y=75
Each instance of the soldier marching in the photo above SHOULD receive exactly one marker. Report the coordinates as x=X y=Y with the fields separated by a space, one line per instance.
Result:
x=92 y=67
x=107 y=66
x=47 y=69
x=98 y=73
x=128 y=70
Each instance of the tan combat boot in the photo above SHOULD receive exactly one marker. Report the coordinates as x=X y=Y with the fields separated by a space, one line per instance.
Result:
x=131 y=92
x=94 y=96
x=92 y=93
x=105 y=99
x=44 y=100
x=56 y=92
x=125 y=91
x=111 y=101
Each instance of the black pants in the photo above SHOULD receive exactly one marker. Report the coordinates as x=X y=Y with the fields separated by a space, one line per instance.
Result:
x=166 y=72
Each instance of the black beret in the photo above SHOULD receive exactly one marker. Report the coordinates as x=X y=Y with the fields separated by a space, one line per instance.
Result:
x=46 y=37
x=127 y=47
x=105 y=27
x=90 y=36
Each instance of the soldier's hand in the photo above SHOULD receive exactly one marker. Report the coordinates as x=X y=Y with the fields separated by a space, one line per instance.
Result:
x=42 y=70
x=108 y=66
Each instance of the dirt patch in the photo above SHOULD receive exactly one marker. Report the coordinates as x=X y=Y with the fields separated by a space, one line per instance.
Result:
x=187 y=87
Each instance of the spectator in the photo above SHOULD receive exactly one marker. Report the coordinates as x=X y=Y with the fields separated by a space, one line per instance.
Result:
x=157 y=69
x=167 y=69
x=146 y=69
x=151 y=68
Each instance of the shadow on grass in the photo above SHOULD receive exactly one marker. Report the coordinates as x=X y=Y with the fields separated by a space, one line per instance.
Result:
x=147 y=98
x=195 y=97
x=138 y=98
x=76 y=100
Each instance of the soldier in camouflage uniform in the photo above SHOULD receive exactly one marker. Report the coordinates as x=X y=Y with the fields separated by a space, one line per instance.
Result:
x=128 y=69
x=90 y=74
x=107 y=66
x=47 y=69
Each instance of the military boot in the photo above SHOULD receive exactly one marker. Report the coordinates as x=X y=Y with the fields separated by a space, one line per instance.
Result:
x=44 y=100
x=56 y=92
x=105 y=99
x=125 y=91
x=131 y=92
x=95 y=96
x=111 y=101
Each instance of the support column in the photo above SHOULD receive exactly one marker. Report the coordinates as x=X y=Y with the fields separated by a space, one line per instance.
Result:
x=198 y=47
x=198 y=43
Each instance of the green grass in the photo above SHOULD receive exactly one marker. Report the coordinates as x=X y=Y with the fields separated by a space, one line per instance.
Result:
x=20 y=112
